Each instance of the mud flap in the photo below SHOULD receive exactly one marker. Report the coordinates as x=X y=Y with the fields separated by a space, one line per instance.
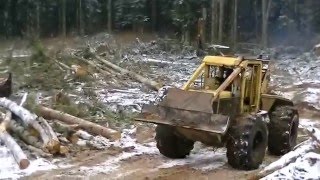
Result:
x=185 y=109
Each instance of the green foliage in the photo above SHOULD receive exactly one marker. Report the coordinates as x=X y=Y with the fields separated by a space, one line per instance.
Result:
x=34 y=18
x=130 y=12
x=185 y=13
x=38 y=51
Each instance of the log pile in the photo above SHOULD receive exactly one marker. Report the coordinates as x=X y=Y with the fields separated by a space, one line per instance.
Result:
x=47 y=132
x=107 y=68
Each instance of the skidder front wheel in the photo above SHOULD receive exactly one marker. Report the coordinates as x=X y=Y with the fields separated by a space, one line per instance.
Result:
x=171 y=145
x=247 y=143
x=283 y=130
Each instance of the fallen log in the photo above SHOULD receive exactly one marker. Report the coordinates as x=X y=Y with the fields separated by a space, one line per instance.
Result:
x=38 y=151
x=305 y=167
x=27 y=135
x=96 y=142
x=15 y=149
x=68 y=131
x=84 y=135
x=65 y=129
x=103 y=70
x=31 y=120
x=310 y=145
x=54 y=143
x=150 y=83
x=93 y=128
x=93 y=65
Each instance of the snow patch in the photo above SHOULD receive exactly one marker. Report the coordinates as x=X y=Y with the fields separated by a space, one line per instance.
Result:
x=133 y=98
x=10 y=170
x=126 y=141
x=307 y=123
x=306 y=167
x=206 y=159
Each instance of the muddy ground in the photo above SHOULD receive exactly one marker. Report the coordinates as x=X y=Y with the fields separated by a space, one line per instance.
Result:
x=112 y=101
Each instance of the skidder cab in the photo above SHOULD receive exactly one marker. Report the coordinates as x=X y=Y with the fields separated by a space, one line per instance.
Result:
x=225 y=103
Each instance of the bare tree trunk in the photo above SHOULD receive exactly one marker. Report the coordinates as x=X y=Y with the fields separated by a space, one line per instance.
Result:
x=221 y=19
x=80 y=18
x=63 y=18
x=81 y=22
x=203 y=25
x=109 y=16
x=265 y=18
x=154 y=14
x=235 y=24
x=257 y=31
x=212 y=20
x=38 y=17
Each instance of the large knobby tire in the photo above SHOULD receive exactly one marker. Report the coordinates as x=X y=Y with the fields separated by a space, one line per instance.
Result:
x=247 y=142
x=283 y=130
x=171 y=145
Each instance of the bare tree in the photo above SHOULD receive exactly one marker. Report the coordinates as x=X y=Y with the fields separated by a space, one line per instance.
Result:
x=265 y=19
x=80 y=18
x=38 y=17
x=235 y=23
x=109 y=16
x=63 y=18
x=221 y=19
x=212 y=20
x=154 y=14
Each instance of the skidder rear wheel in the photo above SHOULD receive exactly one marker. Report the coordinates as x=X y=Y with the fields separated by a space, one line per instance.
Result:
x=247 y=143
x=171 y=145
x=283 y=130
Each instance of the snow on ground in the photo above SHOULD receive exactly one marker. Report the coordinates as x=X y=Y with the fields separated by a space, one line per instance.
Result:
x=176 y=71
x=306 y=167
x=10 y=170
x=132 y=99
x=201 y=158
x=127 y=141
x=205 y=159
x=296 y=78
x=307 y=163
x=297 y=71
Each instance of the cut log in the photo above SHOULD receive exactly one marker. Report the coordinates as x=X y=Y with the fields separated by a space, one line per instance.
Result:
x=285 y=160
x=38 y=151
x=53 y=145
x=307 y=146
x=93 y=65
x=96 y=142
x=65 y=129
x=64 y=150
x=150 y=83
x=68 y=131
x=11 y=144
x=101 y=69
x=93 y=128
x=305 y=167
x=25 y=134
x=32 y=120
x=84 y=135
